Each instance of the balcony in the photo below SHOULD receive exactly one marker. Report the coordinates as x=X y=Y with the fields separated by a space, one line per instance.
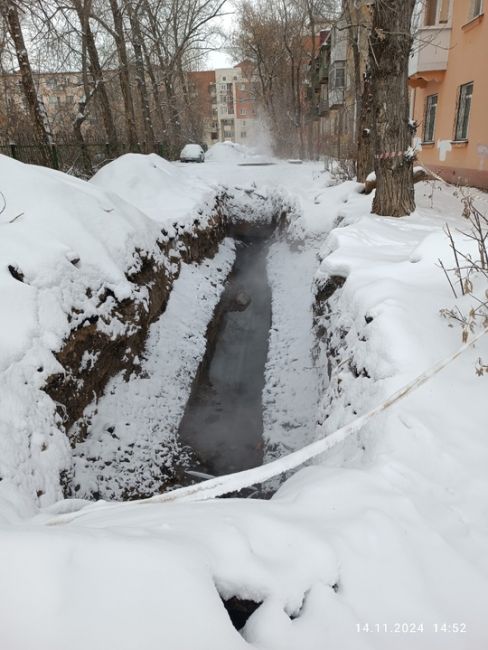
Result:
x=323 y=72
x=323 y=108
x=336 y=97
x=431 y=52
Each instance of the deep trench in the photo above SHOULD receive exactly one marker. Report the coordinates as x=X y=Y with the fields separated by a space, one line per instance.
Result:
x=223 y=421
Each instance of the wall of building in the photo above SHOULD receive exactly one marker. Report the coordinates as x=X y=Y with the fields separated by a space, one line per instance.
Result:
x=463 y=162
x=236 y=105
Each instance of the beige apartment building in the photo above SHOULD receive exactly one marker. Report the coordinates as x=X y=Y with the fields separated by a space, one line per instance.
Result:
x=236 y=109
x=449 y=89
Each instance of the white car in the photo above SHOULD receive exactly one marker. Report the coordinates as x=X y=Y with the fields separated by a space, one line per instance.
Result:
x=192 y=153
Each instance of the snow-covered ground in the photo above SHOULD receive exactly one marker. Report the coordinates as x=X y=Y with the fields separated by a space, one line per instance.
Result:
x=133 y=427
x=381 y=544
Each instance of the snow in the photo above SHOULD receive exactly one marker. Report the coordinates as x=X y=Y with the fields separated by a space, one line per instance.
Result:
x=154 y=186
x=387 y=527
x=290 y=395
x=134 y=425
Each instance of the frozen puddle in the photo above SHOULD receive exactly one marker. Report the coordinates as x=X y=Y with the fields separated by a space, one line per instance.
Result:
x=223 y=421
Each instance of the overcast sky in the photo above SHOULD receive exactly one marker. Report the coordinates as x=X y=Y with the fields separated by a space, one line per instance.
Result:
x=220 y=58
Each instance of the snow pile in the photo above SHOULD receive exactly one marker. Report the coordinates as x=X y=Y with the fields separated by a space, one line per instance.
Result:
x=64 y=243
x=224 y=152
x=155 y=186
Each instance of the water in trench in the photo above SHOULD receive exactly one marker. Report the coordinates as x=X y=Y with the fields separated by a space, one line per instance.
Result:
x=223 y=419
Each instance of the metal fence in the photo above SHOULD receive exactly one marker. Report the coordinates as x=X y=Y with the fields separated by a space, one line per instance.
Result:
x=75 y=158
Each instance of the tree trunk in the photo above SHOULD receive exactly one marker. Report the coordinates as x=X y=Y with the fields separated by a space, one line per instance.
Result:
x=365 y=157
x=140 y=75
x=391 y=42
x=83 y=10
x=34 y=102
x=158 y=101
x=124 y=78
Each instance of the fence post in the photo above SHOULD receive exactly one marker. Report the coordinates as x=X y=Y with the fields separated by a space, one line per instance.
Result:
x=159 y=149
x=107 y=149
x=54 y=156
x=13 y=150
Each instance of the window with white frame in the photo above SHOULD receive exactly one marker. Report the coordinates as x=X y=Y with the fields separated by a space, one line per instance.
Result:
x=429 y=120
x=476 y=8
x=464 y=107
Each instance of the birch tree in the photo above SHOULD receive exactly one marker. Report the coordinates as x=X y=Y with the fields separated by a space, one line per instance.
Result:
x=10 y=13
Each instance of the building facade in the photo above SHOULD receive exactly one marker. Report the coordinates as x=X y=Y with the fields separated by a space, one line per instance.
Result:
x=236 y=105
x=449 y=90
x=337 y=76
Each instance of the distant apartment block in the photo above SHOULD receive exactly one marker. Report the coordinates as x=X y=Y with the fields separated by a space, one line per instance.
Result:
x=449 y=89
x=227 y=101
x=236 y=104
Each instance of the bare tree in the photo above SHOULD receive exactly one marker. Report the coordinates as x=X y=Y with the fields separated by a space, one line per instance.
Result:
x=119 y=38
x=10 y=13
x=137 y=44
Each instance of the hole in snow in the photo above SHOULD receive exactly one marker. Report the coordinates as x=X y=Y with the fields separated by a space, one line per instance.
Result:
x=239 y=610
x=16 y=273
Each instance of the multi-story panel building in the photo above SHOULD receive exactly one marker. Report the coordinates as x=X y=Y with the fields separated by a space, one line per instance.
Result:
x=60 y=91
x=449 y=89
x=337 y=75
x=205 y=96
x=236 y=104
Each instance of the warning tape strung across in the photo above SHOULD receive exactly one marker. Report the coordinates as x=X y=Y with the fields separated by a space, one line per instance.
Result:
x=390 y=154
x=229 y=483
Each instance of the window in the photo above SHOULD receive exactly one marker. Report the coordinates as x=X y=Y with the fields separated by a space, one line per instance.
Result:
x=444 y=11
x=429 y=120
x=243 y=111
x=242 y=87
x=476 y=8
x=243 y=134
x=430 y=12
x=464 y=107
x=339 y=74
x=224 y=78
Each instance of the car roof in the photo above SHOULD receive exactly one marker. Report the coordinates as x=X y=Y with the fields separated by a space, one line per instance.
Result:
x=192 y=147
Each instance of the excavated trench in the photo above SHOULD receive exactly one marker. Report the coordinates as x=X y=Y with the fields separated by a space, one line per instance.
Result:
x=223 y=421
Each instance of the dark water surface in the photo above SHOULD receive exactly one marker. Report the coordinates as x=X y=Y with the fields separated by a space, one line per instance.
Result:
x=223 y=419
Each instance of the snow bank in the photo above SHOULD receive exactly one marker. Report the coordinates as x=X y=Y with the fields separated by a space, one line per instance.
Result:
x=223 y=152
x=155 y=186
x=63 y=243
